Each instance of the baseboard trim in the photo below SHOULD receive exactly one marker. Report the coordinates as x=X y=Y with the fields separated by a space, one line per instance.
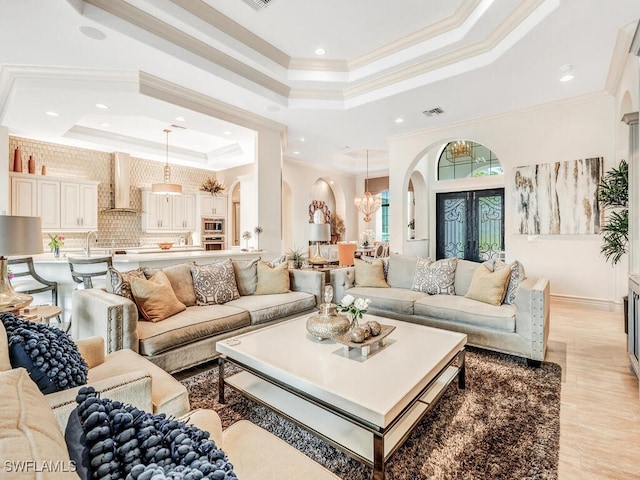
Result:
x=597 y=303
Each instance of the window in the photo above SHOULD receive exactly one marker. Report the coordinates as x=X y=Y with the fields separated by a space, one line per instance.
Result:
x=470 y=225
x=463 y=159
x=384 y=208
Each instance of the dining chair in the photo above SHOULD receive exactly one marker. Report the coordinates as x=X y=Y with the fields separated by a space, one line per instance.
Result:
x=346 y=254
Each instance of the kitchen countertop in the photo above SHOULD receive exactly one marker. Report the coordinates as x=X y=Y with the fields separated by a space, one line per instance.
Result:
x=150 y=255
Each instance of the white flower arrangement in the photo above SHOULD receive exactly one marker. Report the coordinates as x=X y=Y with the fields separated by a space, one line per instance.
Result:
x=355 y=307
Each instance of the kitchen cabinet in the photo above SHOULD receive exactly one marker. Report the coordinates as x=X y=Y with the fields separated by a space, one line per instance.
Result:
x=62 y=204
x=184 y=212
x=168 y=212
x=213 y=205
x=79 y=206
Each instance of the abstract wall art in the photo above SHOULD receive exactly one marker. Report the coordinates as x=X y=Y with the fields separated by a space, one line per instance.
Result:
x=559 y=198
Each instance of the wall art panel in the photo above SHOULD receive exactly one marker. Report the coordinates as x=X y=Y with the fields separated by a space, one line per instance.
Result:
x=559 y=198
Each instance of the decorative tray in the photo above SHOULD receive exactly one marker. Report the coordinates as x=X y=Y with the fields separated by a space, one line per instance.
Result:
x=345 y=339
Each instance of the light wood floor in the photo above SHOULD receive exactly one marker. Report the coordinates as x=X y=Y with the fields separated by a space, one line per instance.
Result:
x=600 y=413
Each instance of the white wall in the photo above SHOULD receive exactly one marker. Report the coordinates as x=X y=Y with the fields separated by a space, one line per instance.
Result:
x=582 y=127
x=301 y=178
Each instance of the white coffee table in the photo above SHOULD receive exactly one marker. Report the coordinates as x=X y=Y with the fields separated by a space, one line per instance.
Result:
x=365 y=406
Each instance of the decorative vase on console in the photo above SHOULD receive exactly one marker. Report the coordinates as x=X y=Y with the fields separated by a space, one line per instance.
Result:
x=17 y=160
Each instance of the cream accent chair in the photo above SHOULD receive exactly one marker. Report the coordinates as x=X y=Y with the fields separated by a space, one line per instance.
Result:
x=123 y=375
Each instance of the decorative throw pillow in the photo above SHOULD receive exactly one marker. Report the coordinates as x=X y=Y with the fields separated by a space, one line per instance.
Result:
x=370 y=274
x=155 y=297
x=180 y=279
x=47 y=353
x=488 y=287
x=214 y=283
x=108 y=439
x=246 y=272
x=435 y=278
x=517 y=277
x=120 y=282
x=272 y=279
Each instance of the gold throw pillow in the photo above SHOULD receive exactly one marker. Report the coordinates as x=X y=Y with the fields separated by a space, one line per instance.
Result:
x=272 y=279
x=487 y=286
x=155 y=297
x=370 y=274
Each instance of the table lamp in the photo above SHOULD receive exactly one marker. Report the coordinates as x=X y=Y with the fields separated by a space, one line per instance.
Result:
x=319 y=232
x=18 y=236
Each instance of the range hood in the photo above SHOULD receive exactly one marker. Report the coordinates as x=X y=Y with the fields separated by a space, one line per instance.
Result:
x=120 y=180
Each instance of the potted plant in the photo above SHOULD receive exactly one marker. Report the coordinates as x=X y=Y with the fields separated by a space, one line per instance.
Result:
x=412 y=228
x=613 y=193
x=296 y=257
x=213 y=186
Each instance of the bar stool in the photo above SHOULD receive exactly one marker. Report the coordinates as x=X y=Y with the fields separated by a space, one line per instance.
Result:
x=27 y=280
x=84 y=270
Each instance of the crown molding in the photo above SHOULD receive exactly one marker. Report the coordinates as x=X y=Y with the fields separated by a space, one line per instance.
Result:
x=150 y=24
x=224 y=153
x=619 y=58
x=319 y=65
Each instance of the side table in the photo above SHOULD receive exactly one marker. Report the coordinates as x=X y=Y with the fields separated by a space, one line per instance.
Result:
x=43 y=313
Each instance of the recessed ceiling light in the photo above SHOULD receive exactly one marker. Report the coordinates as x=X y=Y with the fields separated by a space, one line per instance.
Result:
x=296 y=153
x=181 y=119
x=92 y=32
x=566 y=72
x=399 y=120
x=302 y=139
x=52 y=114
x=102 y=106
x=227 y=132
x=105 y=125
x=320 y=51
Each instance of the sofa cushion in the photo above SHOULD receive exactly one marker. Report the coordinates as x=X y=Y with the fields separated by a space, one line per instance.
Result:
x=180 y=279
x=370 y=274
x=489 y=287
x=188 y=326
x=464 y=274
x=246 y=272
x=465 y=310
x=155 y=297
x=435 y=278
x=398 y=300
x=214 y=283
x=119 y=282
x=29 y=431
x=167 y=395
x=49 y=354
x=272 y=280
x=402 y=269
x=517 y=277
x=264 y=308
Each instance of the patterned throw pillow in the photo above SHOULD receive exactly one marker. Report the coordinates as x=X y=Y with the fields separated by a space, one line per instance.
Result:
x=120 y=282
x=214 y=283
x=517 y=277
x=435 y=278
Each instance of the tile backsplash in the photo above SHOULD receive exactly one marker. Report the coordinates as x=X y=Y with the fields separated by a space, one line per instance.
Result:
x=115 y=229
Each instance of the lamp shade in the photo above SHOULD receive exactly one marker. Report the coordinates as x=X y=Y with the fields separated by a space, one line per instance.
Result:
x=20 y=235
x=319 y=232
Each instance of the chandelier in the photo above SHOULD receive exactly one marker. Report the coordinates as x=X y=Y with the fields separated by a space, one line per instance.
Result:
x=367 y=204
x=458 y=150
x=166 y=187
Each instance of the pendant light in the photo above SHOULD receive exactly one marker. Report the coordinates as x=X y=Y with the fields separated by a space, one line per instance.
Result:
x=367 y=204
x=166 y=187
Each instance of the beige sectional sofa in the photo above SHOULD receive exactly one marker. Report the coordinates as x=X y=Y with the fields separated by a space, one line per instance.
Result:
x=188 y=338
x=520 y=328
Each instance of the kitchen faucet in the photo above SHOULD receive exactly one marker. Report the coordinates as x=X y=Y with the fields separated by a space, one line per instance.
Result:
x=87 y=249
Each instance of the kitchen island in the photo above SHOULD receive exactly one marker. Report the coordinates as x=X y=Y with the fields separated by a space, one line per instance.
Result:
x=57 y=269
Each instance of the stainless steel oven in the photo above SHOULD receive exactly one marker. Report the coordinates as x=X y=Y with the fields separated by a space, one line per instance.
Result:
x=213 y=242
x=212 y=225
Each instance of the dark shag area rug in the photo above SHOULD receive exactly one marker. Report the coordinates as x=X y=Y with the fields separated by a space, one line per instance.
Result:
x=504 y=425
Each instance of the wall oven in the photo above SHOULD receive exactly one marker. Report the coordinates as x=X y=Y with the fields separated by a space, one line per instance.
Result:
x=213 y=242
x=212 y=225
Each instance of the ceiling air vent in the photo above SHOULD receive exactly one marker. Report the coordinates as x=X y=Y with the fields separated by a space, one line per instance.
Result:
x=434 y=112
x=174 y=126
x=257 y=4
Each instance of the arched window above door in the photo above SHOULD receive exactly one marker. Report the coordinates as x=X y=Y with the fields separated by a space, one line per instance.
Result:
x=464 y=159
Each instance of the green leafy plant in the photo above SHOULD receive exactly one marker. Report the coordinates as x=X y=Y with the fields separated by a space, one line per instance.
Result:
x=55 y=241
x=412 y=224
x=613 y=193
x=297 y=256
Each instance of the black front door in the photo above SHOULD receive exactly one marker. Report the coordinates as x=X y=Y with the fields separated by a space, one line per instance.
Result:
x=470 y=225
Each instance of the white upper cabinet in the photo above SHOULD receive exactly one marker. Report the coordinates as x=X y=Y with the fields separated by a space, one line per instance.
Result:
x=213 y=205
x=168 y=212
x=184 y=212
x=62 y=204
